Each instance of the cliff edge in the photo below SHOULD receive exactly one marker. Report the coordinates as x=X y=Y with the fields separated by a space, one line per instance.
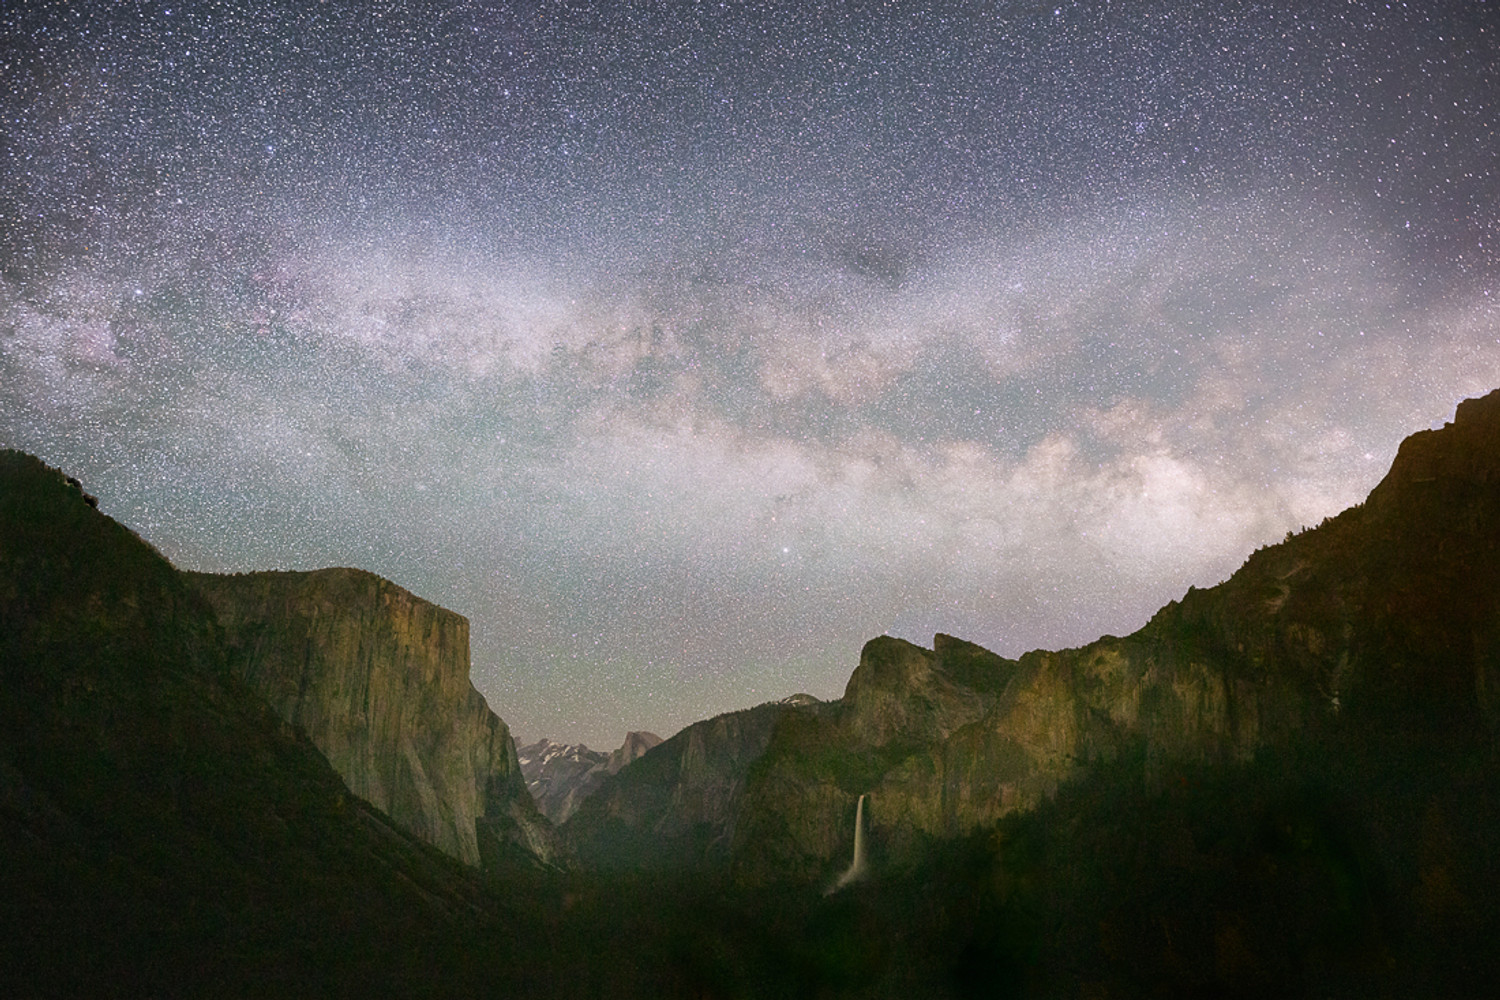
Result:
x=162 y=831
x=379 y=680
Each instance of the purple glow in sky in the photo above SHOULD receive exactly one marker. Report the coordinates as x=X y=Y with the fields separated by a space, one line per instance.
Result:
x=683 y=347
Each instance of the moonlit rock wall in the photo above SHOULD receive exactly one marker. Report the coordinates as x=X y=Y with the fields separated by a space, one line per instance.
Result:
x=1379 y=625
x=379 y=680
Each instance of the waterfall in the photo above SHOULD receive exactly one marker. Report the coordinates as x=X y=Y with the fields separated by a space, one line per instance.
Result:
x=858 y=868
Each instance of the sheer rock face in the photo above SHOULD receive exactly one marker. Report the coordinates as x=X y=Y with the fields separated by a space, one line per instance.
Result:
x=900 y=690
x=162 y=831
x=635 y=745
x=379 y=680
x=1381 y=622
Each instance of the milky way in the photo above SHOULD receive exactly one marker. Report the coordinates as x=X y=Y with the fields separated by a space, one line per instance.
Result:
x=685 y=346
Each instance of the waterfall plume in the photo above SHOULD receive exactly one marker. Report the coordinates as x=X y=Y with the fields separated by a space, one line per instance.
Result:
x=858 y=868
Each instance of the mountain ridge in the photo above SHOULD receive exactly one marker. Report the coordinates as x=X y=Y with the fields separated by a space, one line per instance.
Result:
x=1382 y=618
x=561 y=775
x=678 y=802
x=1285 y=784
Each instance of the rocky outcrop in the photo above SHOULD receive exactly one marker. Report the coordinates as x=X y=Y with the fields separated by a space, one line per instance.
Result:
x=561 y=775
x=901 y=691
x=1383 y=622
x=379 y=680
x=676 y=805
x=901 y=704
x=635 y=746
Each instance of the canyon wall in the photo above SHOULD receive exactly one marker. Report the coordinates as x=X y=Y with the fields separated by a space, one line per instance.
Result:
x=1381 y=624
x=162 y=831
x=379 y=680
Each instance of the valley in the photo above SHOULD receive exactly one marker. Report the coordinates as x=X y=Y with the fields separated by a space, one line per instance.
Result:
x=279 y=783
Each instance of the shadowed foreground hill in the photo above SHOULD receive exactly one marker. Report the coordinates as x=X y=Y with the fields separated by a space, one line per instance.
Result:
x=162 y=832
x=675 y=807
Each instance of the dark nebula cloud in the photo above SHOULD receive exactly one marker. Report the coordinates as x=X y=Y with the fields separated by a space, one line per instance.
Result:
x=685 y=346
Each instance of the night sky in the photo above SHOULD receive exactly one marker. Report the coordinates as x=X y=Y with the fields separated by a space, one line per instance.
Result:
x=684 y=347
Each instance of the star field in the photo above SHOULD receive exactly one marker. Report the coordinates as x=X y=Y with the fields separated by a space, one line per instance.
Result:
x=685 y=346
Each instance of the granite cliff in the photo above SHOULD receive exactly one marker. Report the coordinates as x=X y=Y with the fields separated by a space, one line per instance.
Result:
x=162 y=831
x=379 y=680
x=1381 y=623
